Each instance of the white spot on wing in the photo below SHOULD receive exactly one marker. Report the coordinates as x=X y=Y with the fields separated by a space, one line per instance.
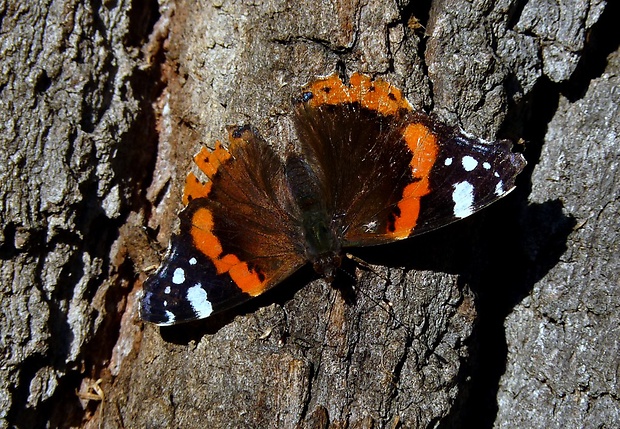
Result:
x=197 y=298
x=193 y=261
x=165 y=303
x=448 y=161
x=486 y=165
x=179 y=276
x=167 y=290
x=171 y=319
x=499 y=188
x=370 y=226
x=463 y=197
x=496 y=174
x=469 y=163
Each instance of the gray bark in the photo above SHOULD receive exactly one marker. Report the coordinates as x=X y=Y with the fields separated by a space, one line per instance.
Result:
x=506 y=319
x=68 y=136
x=563 y=337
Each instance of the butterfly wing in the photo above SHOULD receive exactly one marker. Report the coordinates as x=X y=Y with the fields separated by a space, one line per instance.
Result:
x=238 y=236
x=390 y=173
x=468 y=174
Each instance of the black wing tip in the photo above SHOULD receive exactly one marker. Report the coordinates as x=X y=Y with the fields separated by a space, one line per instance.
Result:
x=150 y=312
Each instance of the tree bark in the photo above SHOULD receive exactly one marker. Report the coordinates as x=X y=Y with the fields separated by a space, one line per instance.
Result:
x=76 y=152
x=506 y=319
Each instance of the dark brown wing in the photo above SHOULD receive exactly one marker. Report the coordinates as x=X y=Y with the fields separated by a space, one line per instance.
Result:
x=253 y=217
x=239 y=235
x=389 y=173
x=362 y=164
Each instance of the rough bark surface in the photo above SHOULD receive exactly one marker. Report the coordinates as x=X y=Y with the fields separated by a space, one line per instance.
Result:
x=506 y=319
x=71 y=169
x=563 y=338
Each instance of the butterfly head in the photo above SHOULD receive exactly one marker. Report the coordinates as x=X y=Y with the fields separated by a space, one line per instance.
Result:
x=327 y=265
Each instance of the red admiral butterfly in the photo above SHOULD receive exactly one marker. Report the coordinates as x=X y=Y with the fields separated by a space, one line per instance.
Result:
x=368 y=170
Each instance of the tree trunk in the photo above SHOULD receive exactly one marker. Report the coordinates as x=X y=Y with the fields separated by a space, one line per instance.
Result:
x=505 y=319
x=77 y=149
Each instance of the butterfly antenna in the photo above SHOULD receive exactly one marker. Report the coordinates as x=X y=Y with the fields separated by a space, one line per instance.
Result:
x=363 y=264
x=383 y=303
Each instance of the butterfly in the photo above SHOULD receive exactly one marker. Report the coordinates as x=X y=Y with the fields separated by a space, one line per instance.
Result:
x=366 y=170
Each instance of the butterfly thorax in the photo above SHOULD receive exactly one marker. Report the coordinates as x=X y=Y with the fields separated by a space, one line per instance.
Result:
x=322 y=246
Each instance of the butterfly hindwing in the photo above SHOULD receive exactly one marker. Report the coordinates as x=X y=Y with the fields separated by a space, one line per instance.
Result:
x=362 y=164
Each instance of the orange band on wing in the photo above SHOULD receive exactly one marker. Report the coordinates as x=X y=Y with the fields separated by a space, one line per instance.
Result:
x=208 y=162
x=377 y=95
x=194 y=188
x=423 y=145
x=202 y=233
x=249 y=280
